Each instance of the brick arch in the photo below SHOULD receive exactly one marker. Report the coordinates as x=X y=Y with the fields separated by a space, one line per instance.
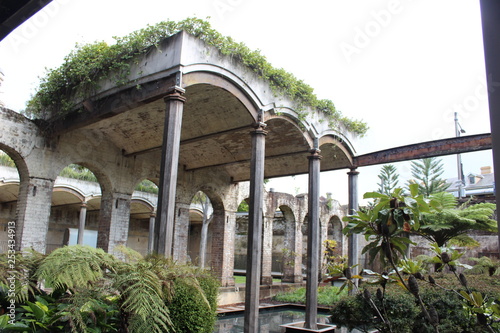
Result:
x=290 y=257
x=334 y=232
x=217 y=230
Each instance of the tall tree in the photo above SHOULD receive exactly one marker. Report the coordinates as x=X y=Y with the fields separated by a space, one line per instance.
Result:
x=427 y=173
x=389 y=179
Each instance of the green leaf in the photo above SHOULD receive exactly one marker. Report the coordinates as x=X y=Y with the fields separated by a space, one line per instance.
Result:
x=4 y=320
x=413 y=189
x=374 y=195
x=37 y=311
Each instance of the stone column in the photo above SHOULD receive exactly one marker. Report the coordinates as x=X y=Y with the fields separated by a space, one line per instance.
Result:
x=254 y=247
x=114 y=219
x=151 y=234
x=33 y=212
x=223 y=227
x=181 y=234
x=81 y=225
x=313 y=238
x=164 y=224
x=267 y=251
x=353 y=250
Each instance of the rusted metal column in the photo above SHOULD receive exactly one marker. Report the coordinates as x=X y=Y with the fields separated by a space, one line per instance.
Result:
x=81 y=225
x=313 y=239
x=164 y=224
x=490 y=18
x=255 y=213
x=353 y=249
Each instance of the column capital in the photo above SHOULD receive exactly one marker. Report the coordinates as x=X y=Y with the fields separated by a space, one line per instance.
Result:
x=353 y=172
x=260 y=128
x=176 y=93
x=315 y=154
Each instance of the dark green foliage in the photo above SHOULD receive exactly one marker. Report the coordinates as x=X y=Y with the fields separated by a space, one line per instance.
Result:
x=404 y=314
x=356 y=312
x=449 y=308
x=92 y=291
x=191 y=313
x=78 y=77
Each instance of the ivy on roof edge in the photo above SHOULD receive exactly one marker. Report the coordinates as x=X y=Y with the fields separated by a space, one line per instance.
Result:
x=89 y=63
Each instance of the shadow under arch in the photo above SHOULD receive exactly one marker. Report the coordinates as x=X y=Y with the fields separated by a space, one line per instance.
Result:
x=286 y=257
x=334 y=232
x=217 y=233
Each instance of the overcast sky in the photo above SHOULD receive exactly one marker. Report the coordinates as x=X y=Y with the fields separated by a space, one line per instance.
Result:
x=403 y=66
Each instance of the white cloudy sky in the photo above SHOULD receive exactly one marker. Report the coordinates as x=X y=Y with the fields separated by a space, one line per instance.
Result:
x=403 y=66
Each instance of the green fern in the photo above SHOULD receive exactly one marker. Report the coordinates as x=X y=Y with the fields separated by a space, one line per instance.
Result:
x=73 y=267
x=141 y=292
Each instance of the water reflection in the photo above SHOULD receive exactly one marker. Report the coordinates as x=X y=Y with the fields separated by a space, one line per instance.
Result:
x=269 y=320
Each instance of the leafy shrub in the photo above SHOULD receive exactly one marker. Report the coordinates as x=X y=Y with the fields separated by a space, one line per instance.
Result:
x=92 y=291
x=194 y=306
x=326 y=295
x=356 y=312
x=404 y=313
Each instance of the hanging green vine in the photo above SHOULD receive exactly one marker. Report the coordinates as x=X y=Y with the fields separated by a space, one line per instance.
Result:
x=77 y=77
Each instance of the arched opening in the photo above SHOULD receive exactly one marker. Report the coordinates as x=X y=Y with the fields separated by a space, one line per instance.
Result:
x=9 y=193
x=201 y=214
x=142 y=215
x=334 y=232
x=241 y=238
x=76 y=202
x=284 y=256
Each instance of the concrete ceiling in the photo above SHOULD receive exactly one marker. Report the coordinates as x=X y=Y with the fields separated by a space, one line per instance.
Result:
x=215 y=133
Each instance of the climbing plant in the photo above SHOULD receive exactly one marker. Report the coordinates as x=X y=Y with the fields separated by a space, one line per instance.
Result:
x=77 y=78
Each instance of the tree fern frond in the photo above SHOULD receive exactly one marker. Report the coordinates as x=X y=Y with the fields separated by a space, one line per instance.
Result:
x=142 y=296
x=75 y=266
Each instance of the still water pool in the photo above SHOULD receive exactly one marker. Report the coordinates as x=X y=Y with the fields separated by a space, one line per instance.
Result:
x=269 y=320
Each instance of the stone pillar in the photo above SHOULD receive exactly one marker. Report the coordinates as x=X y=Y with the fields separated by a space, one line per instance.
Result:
x=353 y=250
x=181 y=234
x=151 y=234
x=33 y=212
x=313 y=238
x=164 y=224
x=114 y=219
x=223 y=227
x=254 y=247
x=81 y=225
x=267 y=252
